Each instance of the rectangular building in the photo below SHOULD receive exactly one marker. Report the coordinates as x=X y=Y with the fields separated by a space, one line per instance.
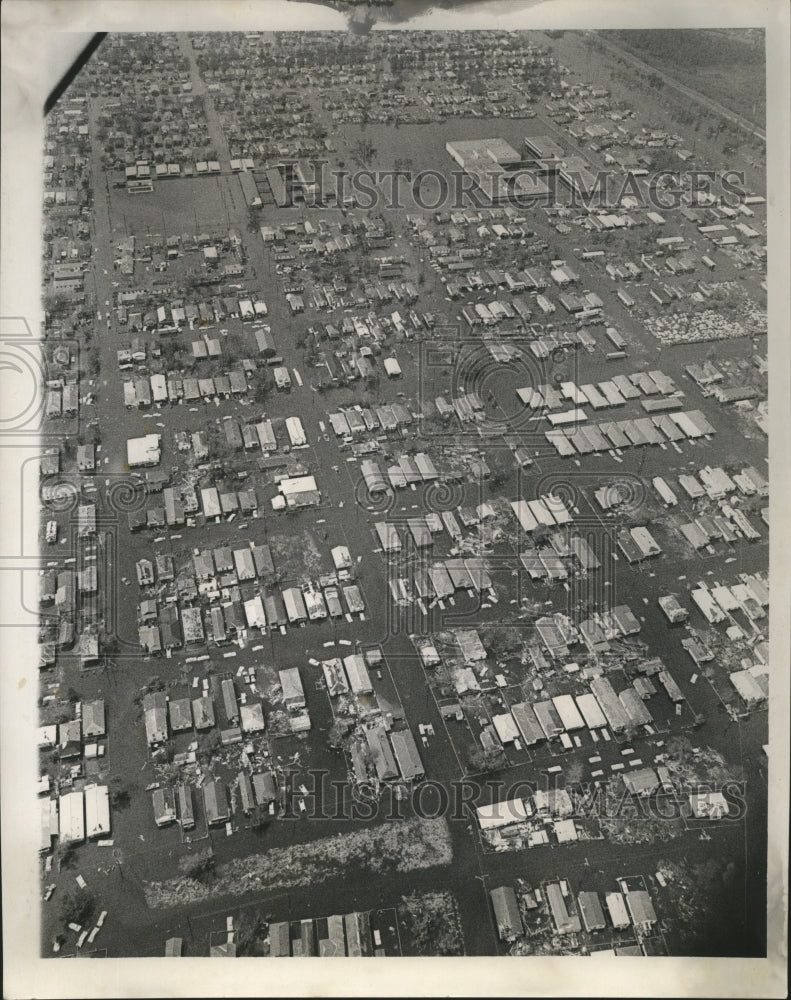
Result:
x=506 y=913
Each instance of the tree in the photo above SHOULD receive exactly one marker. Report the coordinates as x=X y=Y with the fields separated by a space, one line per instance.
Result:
x=259 y=819
x=200 y=865
x=233 y=345
x=253 y=220
x=498 y=477
x=482 y=760
x=338 y=730
x=541 y=534
x=501 y=642
x=76 y=906
x=261 y=392
x=154 y=684
x=64 y=854
x=250 y=934
x=364 y=150
x=120 y=793
x=56 y=303
x=208 y=744
x=171 y=353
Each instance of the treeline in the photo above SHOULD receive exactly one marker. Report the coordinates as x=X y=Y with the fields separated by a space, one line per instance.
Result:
x=689 y=47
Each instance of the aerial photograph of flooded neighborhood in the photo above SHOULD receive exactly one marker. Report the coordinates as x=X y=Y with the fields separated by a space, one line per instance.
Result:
x=404 y=496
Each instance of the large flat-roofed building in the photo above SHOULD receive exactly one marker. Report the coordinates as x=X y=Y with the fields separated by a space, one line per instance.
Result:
x=72 y=817
x=566 y=923
x=506 y=913
x=543 y=147
x=249 y=189
x=592 y=913
x=467 y=152
x=97 y=810
x=496 y=167
x=143 y=451
x=277 y=185
x=68 y=278
x=641 y=910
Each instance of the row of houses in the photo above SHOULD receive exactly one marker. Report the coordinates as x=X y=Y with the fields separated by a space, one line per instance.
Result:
x=165 y=716
x=180 y=504
x=375 y=293
x=164 y=629
x=75 y=737
x=135 y=352
x=170 y=317
x=392 y=755
x=554 y=562
x=171 y=805
x=353 y=422
x=75 y=816
x=375 y=748
x=145 y=170
x=349 y=934
x=716 y=484
x=708 y=528
x=573 y=436
x=627 y=908
x=548 y=510
x=612 y=392
x=62 y=400
x=144 y=391
x=530 y=723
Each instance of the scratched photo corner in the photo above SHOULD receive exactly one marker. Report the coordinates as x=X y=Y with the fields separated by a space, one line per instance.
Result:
x=398 y=589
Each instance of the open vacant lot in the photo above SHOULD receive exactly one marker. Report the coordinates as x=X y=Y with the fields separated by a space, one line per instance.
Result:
x=188 y=204
x=403 y=846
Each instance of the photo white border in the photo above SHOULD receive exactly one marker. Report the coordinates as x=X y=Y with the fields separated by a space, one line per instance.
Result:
x=30 y=28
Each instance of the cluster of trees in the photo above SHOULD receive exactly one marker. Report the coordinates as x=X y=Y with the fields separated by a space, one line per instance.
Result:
x=153 y=684
x=502 y=642
x=253 y=220
x=338 y=731
x=120 y=792
x=250 y=934
x=364 y=150
x=77 y=906
x=172 y=352
x=485 y=760
x=727 y=300
x=685 y=48
x=208 y=745
x=199 y=865
x=57 y=305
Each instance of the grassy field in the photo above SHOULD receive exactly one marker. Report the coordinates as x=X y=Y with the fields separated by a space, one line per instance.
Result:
x=179 y=206
x=403 y=846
